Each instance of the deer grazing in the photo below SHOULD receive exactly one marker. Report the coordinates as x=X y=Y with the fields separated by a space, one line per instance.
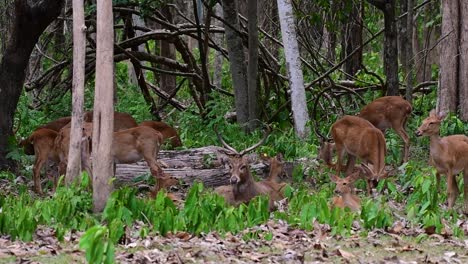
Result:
x=449 y=155
x=167 y=131
x=359 y=139
x=345 y=188
x=390 y=112
x=243 y=186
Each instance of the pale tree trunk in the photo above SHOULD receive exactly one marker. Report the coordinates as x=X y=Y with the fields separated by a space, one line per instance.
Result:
x=103 y=118
x=218 y=58
x=447 y=93
x=136 y=21
x=236 y=61
x=463 y=81
x=252 y=78
x=79 y=56
x=409 y=52
x=293 y=64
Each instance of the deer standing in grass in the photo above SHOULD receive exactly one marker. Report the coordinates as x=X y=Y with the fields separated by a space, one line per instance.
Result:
x=243 y=186
x=359 y=139
x=167 y=131
x=345 y=188
x=449 y=155
x=390 y=112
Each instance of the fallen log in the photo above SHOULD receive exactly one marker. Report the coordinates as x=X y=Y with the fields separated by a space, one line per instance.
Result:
x=199 y=164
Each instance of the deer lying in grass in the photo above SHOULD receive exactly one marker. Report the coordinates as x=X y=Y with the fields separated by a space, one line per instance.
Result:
x=243 y=187
x=449 y=155
x=162 y=183
x=345 y=188
x=390 y=112
x=359 y=139
x=167 y=131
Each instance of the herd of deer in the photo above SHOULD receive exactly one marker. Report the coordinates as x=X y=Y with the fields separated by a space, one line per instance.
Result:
x=360 y=136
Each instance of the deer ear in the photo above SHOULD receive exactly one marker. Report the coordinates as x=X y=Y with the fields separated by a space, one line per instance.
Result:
x=334 y=178
x=280 y=157
x=433 y=112
x=441 y=115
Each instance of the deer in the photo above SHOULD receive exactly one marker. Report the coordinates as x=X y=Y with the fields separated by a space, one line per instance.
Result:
x=163 y=183
x=276 y=167
x=390 y=112
x=449 y=155
x=42 y=141
x=55 y=125
x=243 y=186
x=122 y=121
x=167 y=131
x=359 y=139
x=345 y=188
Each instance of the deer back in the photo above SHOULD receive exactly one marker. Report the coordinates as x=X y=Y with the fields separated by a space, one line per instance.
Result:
x=360 y=138
x=385 y=111
x=122 y=121
x=167 y=131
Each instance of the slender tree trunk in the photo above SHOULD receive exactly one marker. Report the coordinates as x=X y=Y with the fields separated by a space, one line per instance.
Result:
x=293 y=64
x=390 y=44
x=463 y=85
x=28 y=24
x=353 y=39
x=254 y=106
x=236 y=61
x=167 y=81
x=79 y=56
x=447 y=93
x=409 y=52
x=136 y=21
x=103 y=117
x=218 y=58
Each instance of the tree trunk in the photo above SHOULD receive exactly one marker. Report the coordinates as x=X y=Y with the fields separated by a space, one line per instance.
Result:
x=28 y=24
x=390 y=44
x=402 y=35
x=79 y=57
x=103 y=118
x=167 y=81
x=447 y=93
x=218 y=58
x=254 y=105
x=409 y=51
x=463 y=85
x=236 y=61
x=293 y=64
x=353 y=39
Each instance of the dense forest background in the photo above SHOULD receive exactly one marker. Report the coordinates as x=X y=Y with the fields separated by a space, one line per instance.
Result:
x=237 y=67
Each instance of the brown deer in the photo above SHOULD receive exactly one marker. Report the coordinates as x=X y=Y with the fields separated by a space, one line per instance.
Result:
x=167 y=131
x=121 y=120
x=162 y=183
x=390 y=112
x=276 y=167
x=345 y=188
x=359 y=139
x=55 y=125
x=449 y=155
x=243 y=186
x=42 y=141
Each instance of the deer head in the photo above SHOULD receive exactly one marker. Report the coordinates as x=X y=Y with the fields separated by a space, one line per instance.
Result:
x=431 y=125
x=346 y=185
x=237 y=161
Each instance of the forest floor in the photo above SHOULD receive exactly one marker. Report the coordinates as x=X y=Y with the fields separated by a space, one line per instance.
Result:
x=272 y=242
x=286 y=245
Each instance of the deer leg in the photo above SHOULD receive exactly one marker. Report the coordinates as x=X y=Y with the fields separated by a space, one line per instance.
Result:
x=38 y=164
x=452 y=189
x=465 y=191
x=437 y=181
x=339 y=157
x=350 y=164
x=404 y=136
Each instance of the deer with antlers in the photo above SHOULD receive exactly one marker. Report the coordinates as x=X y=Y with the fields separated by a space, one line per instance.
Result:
x=449 y=155
x=243 y=186
x=359 y=139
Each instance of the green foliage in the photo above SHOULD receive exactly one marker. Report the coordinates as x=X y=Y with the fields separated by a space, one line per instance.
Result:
x=96 y=241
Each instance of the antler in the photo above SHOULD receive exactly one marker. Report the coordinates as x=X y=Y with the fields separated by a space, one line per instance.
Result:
x=220 y=138
x=265 y=135
x=243 y=152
